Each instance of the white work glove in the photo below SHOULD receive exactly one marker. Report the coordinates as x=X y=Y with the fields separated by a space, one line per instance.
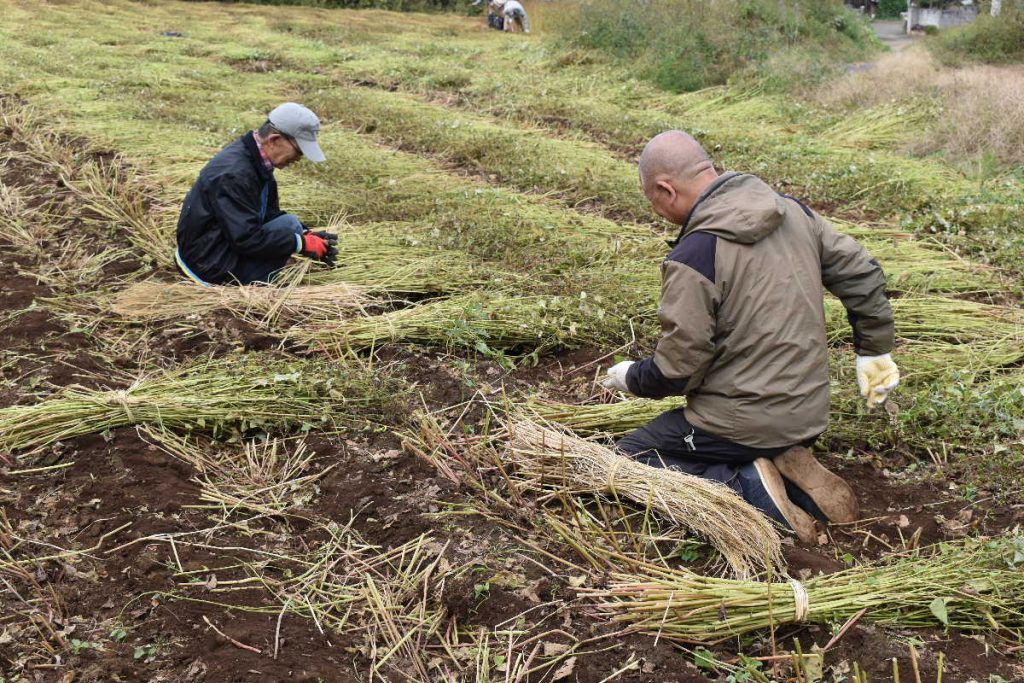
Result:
x=616 y=377
x=876 y=377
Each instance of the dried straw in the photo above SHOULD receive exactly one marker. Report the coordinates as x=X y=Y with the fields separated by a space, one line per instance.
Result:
x=153 y=301
x=554 y=459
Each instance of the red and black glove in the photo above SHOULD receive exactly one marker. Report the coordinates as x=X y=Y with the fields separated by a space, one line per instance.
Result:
x=320 y=245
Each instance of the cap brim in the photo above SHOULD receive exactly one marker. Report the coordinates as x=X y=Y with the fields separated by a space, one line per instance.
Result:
x=311 y=150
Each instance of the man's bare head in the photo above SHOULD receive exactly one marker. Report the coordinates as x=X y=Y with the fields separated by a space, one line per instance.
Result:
x=674 y=170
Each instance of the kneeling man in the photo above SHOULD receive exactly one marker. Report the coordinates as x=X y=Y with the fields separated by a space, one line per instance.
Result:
x=743 y=336
x=231 y=229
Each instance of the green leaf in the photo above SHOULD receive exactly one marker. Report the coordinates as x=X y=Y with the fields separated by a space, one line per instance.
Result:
x=704 y=659
x=938 y=608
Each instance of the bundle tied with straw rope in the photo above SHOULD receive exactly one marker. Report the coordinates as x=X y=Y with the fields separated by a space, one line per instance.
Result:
x=547 y=458
x=221 y=395
x=974 y=585
x=154 y=301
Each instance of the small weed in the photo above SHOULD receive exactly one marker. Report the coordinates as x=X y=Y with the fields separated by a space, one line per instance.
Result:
x=147 y=653
x=78 y=646
x=704 y=659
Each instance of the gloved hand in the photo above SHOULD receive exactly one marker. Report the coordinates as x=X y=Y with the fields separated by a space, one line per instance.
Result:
x=314 y=246
x=320 y=246
x=332 y=246
x=876 y=377
x=616 y=377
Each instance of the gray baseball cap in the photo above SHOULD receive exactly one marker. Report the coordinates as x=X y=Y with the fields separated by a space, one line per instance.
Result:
x=302 y=124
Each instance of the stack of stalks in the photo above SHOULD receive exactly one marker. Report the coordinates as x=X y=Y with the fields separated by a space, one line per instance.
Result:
x=213 y=395
x=153 y=301
x=480 y=321
x=614 y=418
x=555 y=460
x=974 y=585
x=381 y=264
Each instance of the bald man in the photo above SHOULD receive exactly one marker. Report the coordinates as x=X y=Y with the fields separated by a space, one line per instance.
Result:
x=743 y=337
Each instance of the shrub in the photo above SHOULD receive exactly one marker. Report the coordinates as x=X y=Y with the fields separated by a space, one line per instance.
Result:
x=685 y=45
x=890 y=9
x=990 y=40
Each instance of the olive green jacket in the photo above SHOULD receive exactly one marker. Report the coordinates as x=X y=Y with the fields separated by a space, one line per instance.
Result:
x=742 y=314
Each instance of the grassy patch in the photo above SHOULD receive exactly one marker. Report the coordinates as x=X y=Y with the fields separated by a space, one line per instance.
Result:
x=990 y=40
x=684 y=45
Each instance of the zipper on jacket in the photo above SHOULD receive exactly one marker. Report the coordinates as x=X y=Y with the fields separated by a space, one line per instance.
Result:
x=689 y=439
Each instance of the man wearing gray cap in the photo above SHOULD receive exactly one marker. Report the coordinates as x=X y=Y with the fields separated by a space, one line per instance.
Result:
x=231 y=229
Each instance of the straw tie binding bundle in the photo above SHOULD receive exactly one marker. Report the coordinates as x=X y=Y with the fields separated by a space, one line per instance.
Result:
x=549 y=458
x=613 y=472
x=802 y=602
x=123 y=399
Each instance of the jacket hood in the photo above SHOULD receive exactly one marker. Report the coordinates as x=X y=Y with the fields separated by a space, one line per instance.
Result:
x=737 y=207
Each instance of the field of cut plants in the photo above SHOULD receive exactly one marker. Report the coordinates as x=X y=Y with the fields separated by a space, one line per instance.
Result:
x=398 y=469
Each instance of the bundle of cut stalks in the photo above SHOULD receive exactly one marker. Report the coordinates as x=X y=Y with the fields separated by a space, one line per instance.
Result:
x=482 y=321
x=553 y=459
x=974 y=585
x=214 y=395
x=150 y=301
x=611 y=418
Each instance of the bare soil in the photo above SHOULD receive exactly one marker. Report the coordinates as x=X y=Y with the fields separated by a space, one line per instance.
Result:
x=113 y=491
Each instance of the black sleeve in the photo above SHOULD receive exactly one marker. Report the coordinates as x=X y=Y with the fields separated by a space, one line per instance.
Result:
x=235 y=202
x=646 y=380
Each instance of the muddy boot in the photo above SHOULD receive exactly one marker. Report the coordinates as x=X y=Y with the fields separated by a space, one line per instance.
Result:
x=828 y=490
x=764 y=488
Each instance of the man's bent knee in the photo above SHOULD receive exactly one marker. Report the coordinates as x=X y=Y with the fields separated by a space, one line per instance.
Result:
x=289 y=222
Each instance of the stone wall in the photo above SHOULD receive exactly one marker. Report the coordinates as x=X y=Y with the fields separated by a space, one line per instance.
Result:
x=940 y=18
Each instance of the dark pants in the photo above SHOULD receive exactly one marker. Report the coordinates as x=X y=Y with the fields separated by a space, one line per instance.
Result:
x=669 y=440
x=251 y=269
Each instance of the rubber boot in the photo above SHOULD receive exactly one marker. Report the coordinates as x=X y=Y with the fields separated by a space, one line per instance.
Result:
x=829 y=492
x=764 y=488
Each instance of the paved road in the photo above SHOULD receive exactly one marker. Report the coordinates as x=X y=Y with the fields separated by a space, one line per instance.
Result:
x=891 y=33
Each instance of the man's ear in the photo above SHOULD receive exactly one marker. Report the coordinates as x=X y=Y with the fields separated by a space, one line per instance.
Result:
x=664 y=186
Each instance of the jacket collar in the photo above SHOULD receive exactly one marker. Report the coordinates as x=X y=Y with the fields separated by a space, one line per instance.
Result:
x=708 y=191
x=254 y=156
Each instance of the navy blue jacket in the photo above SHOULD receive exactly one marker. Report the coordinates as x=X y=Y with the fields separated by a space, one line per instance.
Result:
x=223 y=215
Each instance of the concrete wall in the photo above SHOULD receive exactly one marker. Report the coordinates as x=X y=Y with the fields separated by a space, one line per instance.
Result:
x=940 y=18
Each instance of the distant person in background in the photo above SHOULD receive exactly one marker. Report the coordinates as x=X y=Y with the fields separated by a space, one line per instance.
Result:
x=495 y=18
x=231 y=229
x=515 y=16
